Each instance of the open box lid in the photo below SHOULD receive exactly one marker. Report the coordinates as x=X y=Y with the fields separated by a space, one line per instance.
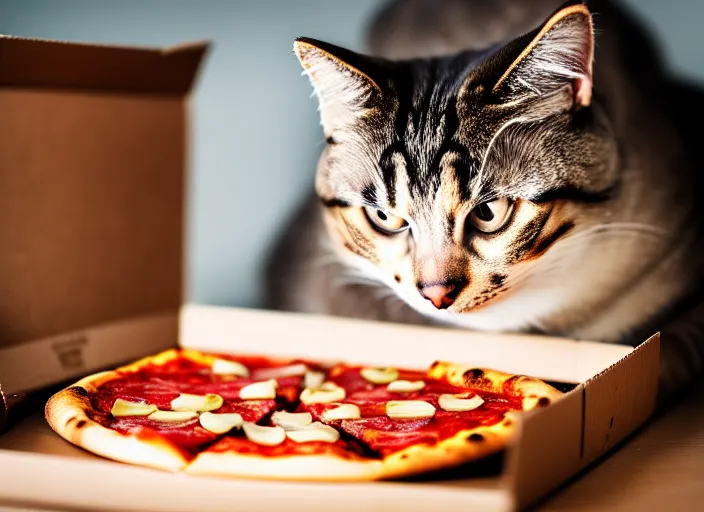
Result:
x=93 y=156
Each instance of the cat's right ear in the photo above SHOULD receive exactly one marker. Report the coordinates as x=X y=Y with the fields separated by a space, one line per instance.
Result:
x=342 y=80
x=557 y=54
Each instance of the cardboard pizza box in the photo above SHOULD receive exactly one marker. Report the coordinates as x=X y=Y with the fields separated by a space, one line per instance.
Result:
x=93 y=159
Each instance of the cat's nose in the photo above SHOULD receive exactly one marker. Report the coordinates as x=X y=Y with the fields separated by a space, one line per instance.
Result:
x=442 y=295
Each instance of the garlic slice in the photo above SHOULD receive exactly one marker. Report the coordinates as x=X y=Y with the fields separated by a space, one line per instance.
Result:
x=267 y=436
x=398 y=409
x=343 y=412
x=227 y=367
x=313 y=379
x=327 y=392
x=405 y=386
x=291 y=420
x=457 y=403
x=220 y=423
x=262 y=390
x=314 y=432
x=189 y=402
x=281 y=371
x=173 y=416
x=126 y=408
x=379 y=375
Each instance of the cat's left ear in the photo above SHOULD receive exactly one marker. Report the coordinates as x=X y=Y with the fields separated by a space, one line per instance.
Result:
x=344 y=81
x=557 y=54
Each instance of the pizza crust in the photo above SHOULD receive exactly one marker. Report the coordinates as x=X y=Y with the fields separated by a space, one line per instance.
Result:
x=533 y=392
x=463 y=448
x=165 y=357
x=67 y=412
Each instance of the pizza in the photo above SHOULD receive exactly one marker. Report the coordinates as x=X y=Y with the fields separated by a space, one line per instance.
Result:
x=293 y=419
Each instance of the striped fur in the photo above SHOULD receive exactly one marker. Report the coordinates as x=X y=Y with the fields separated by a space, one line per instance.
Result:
x=601 y=237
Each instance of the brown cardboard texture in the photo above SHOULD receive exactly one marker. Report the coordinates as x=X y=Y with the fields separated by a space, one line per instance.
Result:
x=549 y=448
x=92 y=169
x=93 y=161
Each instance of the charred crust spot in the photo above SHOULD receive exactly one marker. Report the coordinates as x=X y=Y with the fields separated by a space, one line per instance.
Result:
x=397 y=277
x=435 y=365
x=81 y=423
x=508 y=422
x=473 y=374
x=543 y=401
x=497 y=279
x=404 y=456
x=475 y=438
x=330 y=140
x=78 y=390
x=511 y=381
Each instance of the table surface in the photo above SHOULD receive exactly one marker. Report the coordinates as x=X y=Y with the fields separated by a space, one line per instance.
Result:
x=661 y=467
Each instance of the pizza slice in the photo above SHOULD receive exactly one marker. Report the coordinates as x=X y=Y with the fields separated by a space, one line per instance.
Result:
x=422 y=422
x=358 y=423
x=163 y=410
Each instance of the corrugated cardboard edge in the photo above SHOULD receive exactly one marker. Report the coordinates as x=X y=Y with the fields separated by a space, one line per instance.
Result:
x=546 y=450
x=59 y=358
x=39 y=63
x=613 y=406
x=602 y=412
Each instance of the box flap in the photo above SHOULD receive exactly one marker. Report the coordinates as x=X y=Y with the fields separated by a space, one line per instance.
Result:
x=549 y=448
x=73 y=355
x=299 y=335
x=93 y=158
x=620 y=398
x=54 y=64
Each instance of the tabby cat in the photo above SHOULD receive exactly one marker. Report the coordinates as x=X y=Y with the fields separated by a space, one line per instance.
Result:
x=504 y=166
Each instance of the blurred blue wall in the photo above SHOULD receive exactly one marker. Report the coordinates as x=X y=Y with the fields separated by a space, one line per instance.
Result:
x=255 y=128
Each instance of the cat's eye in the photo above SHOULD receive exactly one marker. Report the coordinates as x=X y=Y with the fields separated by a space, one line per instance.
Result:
x=385 y=222
x=491 y=216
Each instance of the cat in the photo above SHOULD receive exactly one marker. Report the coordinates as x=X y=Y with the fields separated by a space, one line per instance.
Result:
x=504 y=166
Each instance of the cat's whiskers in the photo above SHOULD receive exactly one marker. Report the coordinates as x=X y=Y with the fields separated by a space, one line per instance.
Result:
x=563 y=253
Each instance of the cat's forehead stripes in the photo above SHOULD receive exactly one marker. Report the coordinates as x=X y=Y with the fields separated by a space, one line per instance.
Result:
x=401 y=192
x=426 y=141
